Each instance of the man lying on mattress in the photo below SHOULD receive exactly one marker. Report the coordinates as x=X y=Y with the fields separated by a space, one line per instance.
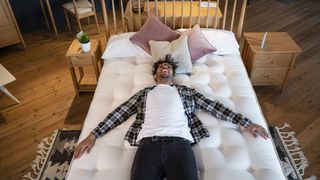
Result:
x=166 y=126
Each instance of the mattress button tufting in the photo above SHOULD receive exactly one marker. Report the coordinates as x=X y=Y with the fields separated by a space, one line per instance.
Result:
x=250 y=169
x=220 y=148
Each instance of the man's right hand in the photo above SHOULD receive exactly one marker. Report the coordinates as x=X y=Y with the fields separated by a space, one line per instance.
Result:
x=84 y=145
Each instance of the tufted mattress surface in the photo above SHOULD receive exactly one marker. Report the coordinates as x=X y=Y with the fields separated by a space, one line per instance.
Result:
x=229 y=153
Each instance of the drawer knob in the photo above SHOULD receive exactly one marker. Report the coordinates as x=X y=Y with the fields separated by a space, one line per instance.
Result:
x=273 y=62
x=267 y=75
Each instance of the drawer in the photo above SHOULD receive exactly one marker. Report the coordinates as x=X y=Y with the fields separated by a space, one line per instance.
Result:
x=8 y=35
x=80 y=60
x=273 y=60
x=268 y=75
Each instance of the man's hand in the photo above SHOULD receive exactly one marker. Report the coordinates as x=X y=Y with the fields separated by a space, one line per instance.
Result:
x=84 y=145
x=256 y=130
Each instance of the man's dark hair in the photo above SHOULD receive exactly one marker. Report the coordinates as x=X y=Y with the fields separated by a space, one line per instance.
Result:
x=167 y=59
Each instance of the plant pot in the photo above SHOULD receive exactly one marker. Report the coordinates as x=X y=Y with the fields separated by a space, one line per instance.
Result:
x=86 y=47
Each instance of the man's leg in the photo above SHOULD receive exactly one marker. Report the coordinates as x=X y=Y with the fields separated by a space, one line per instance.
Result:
x=147 y=162
x=180 y=163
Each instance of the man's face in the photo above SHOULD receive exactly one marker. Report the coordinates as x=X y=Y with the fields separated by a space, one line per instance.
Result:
x=164 y=71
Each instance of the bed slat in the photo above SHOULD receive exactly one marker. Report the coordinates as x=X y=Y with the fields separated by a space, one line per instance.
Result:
x=175 y=14
x=190 y=17
x=156 y=7
x=199 y=15
x=233 y=14
x=122 y=16
x=225 y=12
x=148 y=8
x=139 y=11
x=241 y=19
x=165 y=12
x=216 y=16
x=182 y=5
x=105 y=18
x=114 y=18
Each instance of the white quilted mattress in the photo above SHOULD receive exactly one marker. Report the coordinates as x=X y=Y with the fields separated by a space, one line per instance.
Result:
x=229 y=153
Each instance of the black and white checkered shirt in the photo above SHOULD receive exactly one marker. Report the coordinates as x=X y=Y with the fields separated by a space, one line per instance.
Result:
x=191 y=99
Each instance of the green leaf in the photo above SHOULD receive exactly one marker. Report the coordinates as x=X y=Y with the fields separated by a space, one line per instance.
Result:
x=83 y=37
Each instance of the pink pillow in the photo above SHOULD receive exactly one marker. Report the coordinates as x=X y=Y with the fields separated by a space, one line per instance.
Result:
x=198 y=44
x=153 y=29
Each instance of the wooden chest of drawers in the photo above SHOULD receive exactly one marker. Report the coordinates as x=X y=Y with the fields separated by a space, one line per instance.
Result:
x=269 y=65
x=9 y=30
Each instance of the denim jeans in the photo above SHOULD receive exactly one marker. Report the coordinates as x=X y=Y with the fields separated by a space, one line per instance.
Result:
x=159 y=157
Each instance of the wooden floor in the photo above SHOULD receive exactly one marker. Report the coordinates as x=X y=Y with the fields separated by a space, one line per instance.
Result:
x=48 y=100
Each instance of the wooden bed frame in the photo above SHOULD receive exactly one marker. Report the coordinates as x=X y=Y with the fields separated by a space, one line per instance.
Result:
x=179 y=14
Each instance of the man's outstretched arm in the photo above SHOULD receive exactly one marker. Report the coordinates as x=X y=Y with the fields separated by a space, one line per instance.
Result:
x=115 y=118
x=218 y=110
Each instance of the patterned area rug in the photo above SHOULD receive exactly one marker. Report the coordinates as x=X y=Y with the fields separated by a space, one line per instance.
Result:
x=292 y=159
x=55 y=154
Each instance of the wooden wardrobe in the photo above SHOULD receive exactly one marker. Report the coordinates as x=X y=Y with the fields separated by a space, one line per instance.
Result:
x=9 y=30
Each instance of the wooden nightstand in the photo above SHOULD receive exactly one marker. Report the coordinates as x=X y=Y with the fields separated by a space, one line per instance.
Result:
x=269 y=65
x=77 y=58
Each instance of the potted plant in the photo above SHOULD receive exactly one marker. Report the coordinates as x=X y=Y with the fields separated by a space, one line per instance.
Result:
x=84 y=40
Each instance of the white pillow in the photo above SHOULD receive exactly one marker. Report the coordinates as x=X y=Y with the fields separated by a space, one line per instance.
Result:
x=178 y=49
x=119 y=46
x=224 y=41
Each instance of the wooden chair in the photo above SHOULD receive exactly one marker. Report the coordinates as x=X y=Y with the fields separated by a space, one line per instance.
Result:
x=80 y=9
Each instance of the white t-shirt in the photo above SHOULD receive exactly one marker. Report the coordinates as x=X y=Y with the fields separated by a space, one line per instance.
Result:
x=165 y=114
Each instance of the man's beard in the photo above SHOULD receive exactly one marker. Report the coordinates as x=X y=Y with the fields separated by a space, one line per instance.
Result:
x=165 y=78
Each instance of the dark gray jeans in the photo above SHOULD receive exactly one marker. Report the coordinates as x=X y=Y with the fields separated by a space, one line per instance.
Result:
x=159 y=157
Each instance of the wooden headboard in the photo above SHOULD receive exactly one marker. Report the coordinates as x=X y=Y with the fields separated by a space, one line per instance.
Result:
x=220 y=14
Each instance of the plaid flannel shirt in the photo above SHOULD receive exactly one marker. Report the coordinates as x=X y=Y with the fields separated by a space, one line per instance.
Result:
x=191 y=100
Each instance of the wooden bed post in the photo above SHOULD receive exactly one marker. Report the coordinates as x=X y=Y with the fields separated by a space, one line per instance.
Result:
x=241 y=20
x=105 y=18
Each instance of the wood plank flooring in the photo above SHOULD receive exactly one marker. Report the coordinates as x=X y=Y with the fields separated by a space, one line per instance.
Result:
x=44 y=86
x=299 y=104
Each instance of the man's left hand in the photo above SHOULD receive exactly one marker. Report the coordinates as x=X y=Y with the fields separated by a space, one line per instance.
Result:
x=256 y=130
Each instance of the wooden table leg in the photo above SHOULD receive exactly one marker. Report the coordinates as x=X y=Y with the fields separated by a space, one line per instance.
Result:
x=96 y=69
x=4 y=90
x=74 y=79
x=81 y=72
